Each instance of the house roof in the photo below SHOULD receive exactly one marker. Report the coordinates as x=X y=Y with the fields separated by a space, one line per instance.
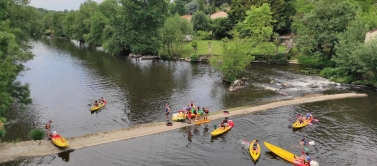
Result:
x=219 y=14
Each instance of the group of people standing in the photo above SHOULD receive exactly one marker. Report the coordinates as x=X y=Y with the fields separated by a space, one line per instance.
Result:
x=191 y=110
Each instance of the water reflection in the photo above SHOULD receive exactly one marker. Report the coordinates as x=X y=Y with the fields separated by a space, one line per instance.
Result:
x=64 y=155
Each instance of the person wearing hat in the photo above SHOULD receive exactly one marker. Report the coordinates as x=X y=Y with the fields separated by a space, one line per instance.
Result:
x=167 y=111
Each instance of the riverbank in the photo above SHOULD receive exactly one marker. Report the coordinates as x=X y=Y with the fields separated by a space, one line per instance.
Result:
x=12 y=151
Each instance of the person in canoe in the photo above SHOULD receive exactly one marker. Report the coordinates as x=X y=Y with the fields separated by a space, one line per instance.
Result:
x=224 y=123
x=48 y=127
x=300 y=119
x=167 y=111
x=96 y=104
x=255 y=145
x=100 y=101
x=103 y=100
x=304 y=158
x=308 y=115
x=303 y=142
x=206 y=111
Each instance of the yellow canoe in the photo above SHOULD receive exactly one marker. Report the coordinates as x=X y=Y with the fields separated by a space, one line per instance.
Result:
x=290 y=157
x=201 y=121
x=298 y=125
x=94 y=108
x=220 y=130
x=180 y=116
x=254 y=153
x=59 y=141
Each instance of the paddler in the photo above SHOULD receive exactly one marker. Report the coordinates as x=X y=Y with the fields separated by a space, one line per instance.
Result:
x=96 y=103
x=103 y=100
x=308 y=115
x=304 y=158
x=303 y=142
x=255 y=145
x=206 y=111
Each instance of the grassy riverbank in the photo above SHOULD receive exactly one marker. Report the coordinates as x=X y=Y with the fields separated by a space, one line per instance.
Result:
x=216 y=48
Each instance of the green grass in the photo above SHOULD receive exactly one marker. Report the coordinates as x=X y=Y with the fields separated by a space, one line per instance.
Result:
x=216 y=48
x=202 y=48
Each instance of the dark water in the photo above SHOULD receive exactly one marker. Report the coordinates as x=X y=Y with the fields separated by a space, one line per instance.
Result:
x=65 y=79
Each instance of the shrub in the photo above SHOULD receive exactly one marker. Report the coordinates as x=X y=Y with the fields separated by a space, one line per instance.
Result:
x=194 y=57
x=37 y=134
x=204 y=35
x=328 y=72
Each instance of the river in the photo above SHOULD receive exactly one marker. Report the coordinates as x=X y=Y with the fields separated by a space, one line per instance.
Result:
x=64 y=79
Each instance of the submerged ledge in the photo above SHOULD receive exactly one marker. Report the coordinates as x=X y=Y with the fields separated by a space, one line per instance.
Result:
x=12 y=151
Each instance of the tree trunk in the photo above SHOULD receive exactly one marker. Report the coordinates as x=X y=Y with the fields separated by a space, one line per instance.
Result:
x=331 y=52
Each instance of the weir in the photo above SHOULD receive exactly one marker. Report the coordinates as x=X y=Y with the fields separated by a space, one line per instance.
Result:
x=12 y=151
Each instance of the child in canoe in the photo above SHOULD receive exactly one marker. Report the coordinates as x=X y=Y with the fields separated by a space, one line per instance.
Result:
x=96 y=103
x=255 y=145
x=224 y=123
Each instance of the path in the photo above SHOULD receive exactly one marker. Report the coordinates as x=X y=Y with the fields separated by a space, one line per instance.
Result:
x=11 y=151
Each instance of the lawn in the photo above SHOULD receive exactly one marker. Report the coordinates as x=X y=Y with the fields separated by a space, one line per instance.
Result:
x=216 y=48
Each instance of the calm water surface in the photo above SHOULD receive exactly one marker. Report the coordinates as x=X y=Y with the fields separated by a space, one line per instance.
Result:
x=64 y=79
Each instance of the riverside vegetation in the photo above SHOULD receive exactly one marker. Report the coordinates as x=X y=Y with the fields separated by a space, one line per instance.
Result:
x=155 y=27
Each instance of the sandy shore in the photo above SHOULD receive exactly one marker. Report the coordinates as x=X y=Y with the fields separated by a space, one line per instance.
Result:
x=12 y=151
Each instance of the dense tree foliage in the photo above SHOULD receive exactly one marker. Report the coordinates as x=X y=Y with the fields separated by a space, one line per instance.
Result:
x=257 y=29
x=221 y=27
x=282 y=11
x=235 y=58
x=16 y=23
x=315 y=36
x=200 y=21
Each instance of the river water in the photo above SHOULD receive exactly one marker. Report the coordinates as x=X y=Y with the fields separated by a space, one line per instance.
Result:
x=64 y=79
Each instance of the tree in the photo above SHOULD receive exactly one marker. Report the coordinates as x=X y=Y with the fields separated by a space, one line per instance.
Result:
x=318 y=29
x=180 y=7
x=68 y=24
x=257 y=29
x=81 y=26
x=192 y=7
x=97 y=23
x=201 y=5
x=200 y=21
x=144 y=18
x=221 y=27
x=234 y=59
x=282 y=11
x=14 y=30
x=173 y=33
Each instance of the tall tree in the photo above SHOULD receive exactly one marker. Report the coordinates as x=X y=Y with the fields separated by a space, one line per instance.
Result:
x=14 y=30
x=82 y=23
x=200 y=21
x=234 y=59
x=257 y=29
x=143 y=20
x=318 y=29
x=282 y=11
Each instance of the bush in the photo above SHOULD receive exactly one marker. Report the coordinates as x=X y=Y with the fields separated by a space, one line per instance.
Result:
x=37 y=134
x=204 y=35
x=273 y=59
x=328 y=72
x=194 y=57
